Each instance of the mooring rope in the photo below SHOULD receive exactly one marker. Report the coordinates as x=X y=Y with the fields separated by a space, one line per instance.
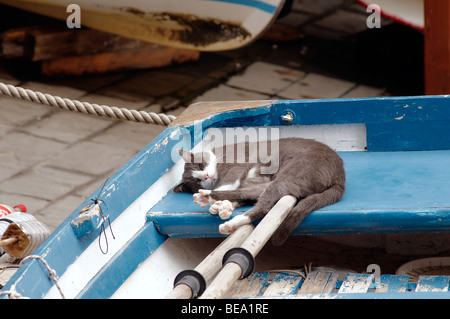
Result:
x=51 y=272
x=111 y=112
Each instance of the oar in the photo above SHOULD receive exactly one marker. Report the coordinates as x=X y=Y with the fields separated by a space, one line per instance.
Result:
x=239 y=257
x=191 y=283
x=8 y=241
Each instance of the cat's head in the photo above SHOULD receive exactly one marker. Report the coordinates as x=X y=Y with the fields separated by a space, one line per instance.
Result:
x=200 y=172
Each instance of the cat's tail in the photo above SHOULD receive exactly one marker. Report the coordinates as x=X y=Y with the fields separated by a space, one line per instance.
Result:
x=303 y=208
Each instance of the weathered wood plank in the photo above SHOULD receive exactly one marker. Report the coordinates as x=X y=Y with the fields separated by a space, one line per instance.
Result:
x=46 y=42
x=250 y=286
x=138 y=58
x=319 y=282
x=12 y=43
x=284 y=284
x=75 y=52
x=356 y=283
x=432 y=283
x=393 y=283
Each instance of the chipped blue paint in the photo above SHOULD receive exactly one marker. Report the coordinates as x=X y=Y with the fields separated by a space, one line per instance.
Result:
x=88 y=221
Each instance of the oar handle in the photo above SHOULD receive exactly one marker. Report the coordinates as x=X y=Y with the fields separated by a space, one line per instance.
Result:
x=8 y=241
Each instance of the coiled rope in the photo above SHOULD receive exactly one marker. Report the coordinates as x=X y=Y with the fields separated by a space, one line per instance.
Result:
x=111 y=112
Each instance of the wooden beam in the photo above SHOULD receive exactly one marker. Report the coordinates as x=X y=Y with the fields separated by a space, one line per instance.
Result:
x=64 y=51
x=153 y=56
x=12 y=43
x=437 y=47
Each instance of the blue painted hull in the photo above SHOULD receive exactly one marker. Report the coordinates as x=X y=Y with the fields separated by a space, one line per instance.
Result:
x=397 y=185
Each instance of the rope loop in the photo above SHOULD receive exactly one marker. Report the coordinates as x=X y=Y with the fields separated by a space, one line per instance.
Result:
x=51 y=272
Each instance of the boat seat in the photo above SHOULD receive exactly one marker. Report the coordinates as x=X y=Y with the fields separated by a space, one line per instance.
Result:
x=327 y=284
x=386 y=192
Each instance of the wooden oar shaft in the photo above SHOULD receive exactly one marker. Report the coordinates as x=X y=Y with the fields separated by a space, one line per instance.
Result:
x=209 y=267
x=254 y=243
x=269 y=224
x=8 y=241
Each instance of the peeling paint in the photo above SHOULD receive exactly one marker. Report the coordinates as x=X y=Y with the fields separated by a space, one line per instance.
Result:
x=174 y=133
x=158 y=145
x=400 y=117
x=87 y=213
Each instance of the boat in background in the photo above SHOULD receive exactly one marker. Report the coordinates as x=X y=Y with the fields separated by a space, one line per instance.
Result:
x=204 y=25
x=408 y=12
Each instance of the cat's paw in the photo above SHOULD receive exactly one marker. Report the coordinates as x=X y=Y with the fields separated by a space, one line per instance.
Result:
x=214 y=209
x=202 y=197
x=225 y=209
x=226 y=228
x=231 y=225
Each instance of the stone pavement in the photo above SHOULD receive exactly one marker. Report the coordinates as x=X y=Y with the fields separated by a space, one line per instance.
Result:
x=52 y=160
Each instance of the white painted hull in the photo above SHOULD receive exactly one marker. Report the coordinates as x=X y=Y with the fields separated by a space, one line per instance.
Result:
x=206 y=25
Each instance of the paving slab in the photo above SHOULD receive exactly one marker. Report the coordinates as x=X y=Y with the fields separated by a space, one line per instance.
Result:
x=67 y=127
x=227 y=93
x=317 y=86
x=266 y=78
x=133 y=136
x=15 y=112
x=44 y=183
x=21 y=150
x=364 y=91
x=91 y=158
x=156 y=83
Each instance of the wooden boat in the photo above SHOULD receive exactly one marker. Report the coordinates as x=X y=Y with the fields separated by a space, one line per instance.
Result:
x=191 y=24
x=396 y=152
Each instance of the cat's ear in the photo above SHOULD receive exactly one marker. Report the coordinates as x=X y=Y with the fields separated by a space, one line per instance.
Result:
x=187 y=156
x=179 y=188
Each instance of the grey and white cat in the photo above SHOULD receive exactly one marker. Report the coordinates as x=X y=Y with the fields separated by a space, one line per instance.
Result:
x=307 y=169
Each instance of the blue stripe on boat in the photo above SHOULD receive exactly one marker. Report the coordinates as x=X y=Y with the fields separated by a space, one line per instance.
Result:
x=252 y=3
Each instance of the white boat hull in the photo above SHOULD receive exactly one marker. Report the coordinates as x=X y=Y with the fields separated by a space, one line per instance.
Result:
x=206 y=25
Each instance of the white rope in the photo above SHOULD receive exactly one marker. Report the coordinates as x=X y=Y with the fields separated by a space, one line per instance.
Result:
x=12 y=294
x=51 y=272
x=85 y=107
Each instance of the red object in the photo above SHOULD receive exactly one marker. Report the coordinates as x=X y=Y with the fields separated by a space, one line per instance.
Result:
x=21 y=207
x=6 y=209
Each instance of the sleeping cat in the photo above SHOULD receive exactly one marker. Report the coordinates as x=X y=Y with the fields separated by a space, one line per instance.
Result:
x=307 y=169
